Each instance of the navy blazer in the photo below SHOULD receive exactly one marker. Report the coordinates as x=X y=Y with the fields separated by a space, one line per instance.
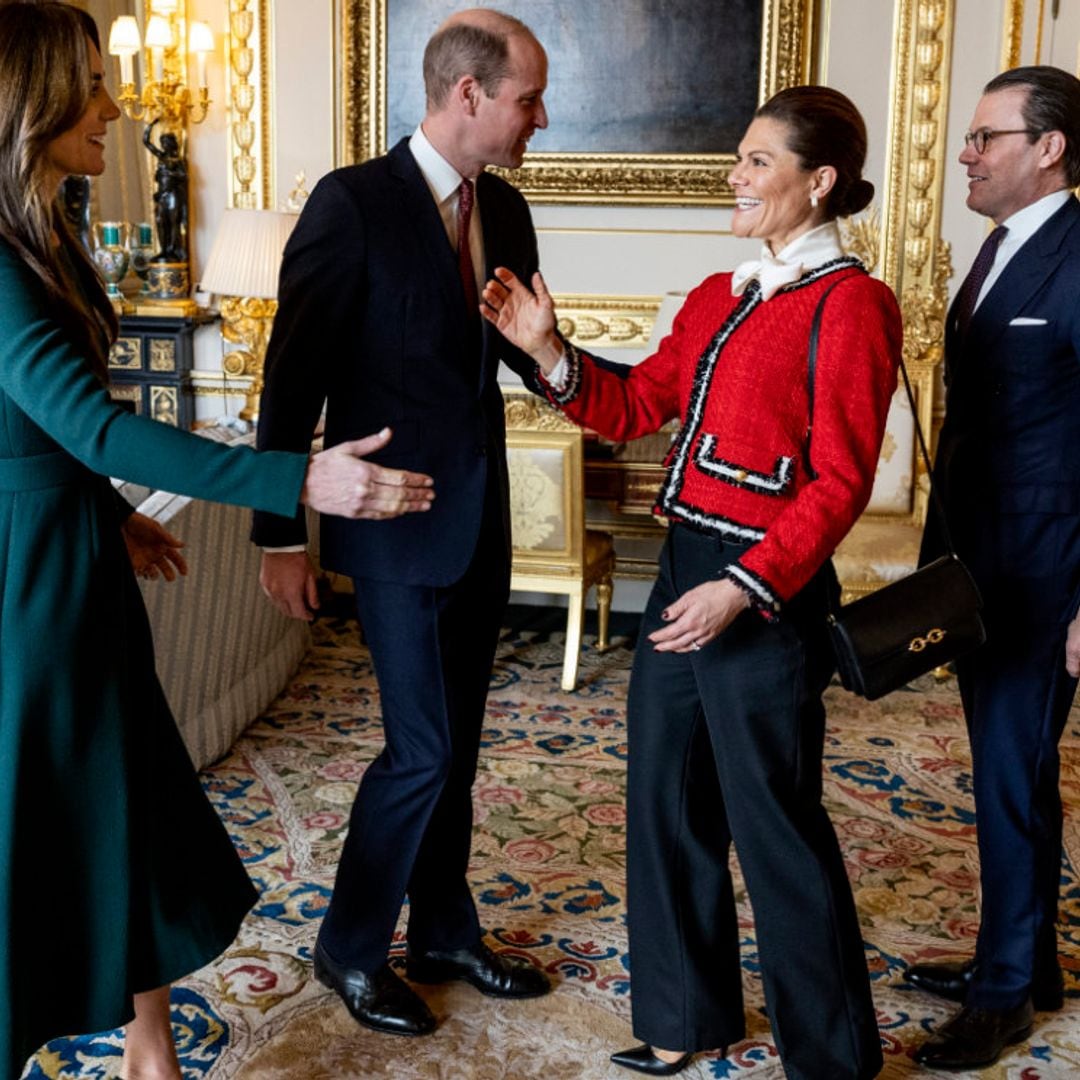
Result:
x=1010 y=442
x=373 y=320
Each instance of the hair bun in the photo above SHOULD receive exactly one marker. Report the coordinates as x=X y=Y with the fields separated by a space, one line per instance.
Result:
x=858 y=197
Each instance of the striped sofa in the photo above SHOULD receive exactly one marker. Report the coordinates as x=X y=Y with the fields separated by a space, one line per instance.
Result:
x=223 y=651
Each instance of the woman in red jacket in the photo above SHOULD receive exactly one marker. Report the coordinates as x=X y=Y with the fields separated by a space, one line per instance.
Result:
x=725 y=718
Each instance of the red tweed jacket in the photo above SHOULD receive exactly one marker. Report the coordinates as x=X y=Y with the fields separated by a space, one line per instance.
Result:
x=734 y=369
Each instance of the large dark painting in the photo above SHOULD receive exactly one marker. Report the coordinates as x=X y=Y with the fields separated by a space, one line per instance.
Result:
x=647 y=99
x=652 y=77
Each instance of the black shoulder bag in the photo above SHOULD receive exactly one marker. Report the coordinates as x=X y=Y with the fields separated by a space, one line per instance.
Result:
x=905 y=629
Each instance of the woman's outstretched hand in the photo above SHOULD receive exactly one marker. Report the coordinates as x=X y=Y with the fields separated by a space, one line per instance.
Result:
x=339 y=481
x=525 y=318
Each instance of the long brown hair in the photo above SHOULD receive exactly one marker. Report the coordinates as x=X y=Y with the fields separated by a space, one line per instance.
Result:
x=45 y=84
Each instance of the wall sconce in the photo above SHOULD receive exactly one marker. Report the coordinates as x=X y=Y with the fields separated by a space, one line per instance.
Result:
x=243 y=270
x=165 y=94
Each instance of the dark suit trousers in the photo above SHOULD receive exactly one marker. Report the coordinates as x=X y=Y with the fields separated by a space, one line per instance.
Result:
x=411 y=824
x=1016 y=696
x=725 y=745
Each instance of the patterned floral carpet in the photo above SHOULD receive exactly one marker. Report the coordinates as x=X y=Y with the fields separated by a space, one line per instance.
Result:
x=548 y=871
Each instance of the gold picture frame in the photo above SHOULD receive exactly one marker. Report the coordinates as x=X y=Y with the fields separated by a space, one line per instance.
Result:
x=786 y=45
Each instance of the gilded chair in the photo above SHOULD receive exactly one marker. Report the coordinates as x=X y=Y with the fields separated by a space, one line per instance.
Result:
x=553 y=552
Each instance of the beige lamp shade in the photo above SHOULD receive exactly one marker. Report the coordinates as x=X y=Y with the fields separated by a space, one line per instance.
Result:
x=158 y=33
x=200 y=38
x=124 y=39
x=246 y=255
x=670 y=304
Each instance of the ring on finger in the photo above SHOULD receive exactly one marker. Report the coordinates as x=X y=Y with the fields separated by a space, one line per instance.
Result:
x=696 y=646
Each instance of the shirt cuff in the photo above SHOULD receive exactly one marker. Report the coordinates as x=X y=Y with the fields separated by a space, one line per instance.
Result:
x=288 y=549
x=557 y=377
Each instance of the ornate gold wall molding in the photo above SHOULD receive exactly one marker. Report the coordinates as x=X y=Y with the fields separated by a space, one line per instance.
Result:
x=787 y=58
x=1039 y=23
x=526 y=411
x=606 y=322
x=249 y=80
x=208 y=383
x=1012 y=37
x=916 y=261
x=861 y=237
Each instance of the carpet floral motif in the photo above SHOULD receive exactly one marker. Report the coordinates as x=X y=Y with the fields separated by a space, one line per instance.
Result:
x=548 y=871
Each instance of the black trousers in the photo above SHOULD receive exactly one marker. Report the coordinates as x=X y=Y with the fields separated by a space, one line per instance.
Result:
x=725 y=745
x=410 y=828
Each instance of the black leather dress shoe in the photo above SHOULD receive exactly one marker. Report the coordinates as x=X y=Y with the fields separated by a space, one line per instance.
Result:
x=951 y=981
x=642 y=1059
x=974 y=1038
x=380 y=1000
x=498 y=976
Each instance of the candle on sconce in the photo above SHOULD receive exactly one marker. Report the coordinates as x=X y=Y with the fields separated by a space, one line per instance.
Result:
x=124 y=43
x=164 y=66
x=158 y=39
x=200 y=42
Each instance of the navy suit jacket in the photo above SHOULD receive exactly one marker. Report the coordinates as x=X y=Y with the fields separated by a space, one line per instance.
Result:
x=1008 y=463
x=373 y=320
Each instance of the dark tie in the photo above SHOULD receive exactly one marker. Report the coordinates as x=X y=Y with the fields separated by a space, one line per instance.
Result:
x=466 y=199
x=969 y=291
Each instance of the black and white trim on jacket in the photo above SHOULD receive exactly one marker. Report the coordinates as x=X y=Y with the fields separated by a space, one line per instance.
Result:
x=572 y=385
x=740 y=476
x=759 y=590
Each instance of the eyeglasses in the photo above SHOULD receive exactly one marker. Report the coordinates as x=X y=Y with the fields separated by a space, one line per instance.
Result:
x=981 y=139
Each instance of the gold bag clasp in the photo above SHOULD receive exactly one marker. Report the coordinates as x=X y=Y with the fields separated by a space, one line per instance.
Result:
x=917 y=644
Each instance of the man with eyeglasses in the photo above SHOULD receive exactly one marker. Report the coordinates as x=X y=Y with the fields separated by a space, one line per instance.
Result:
x=1008 y=467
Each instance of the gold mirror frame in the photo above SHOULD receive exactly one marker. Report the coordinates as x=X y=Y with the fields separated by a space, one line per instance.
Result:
x=787 y=53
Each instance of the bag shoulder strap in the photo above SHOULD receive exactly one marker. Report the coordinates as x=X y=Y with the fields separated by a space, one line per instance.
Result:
x=811 y=377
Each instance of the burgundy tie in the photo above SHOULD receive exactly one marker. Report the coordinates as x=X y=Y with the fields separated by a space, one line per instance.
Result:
x=973 y=283
x=465 y=263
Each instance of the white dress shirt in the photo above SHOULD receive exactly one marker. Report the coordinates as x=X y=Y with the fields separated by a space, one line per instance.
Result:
x=1022 y=227
x=444 y=182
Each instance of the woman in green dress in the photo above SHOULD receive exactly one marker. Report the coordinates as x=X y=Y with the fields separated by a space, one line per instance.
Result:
x=116 y=876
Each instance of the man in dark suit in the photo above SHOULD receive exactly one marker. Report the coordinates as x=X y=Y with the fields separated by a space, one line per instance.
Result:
x=1007 y=468
x=379 y=317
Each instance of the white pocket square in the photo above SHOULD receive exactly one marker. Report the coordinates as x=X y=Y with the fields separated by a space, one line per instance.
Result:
x=1027 y=322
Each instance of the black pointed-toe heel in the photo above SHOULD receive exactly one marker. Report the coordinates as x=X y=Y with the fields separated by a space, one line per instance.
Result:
x=642 y=1059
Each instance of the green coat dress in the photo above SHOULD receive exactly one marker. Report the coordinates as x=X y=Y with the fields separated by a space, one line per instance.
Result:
x=116 y=876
